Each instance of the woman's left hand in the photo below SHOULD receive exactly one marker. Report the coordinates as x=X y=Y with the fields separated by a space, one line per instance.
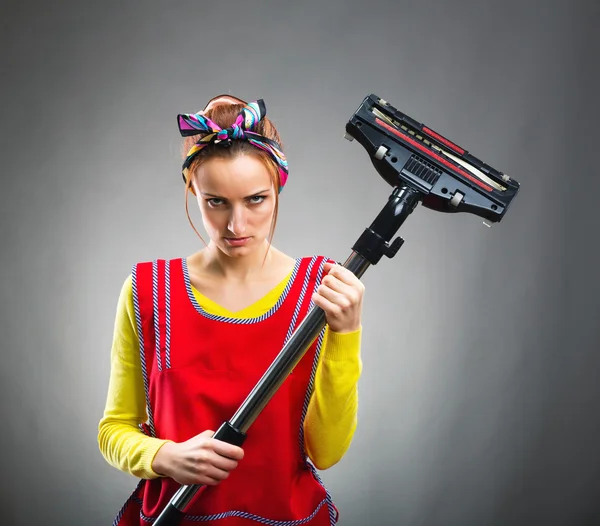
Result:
x=340 y=295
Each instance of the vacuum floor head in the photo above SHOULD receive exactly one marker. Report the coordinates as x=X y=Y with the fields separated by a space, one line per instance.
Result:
x=408 y=153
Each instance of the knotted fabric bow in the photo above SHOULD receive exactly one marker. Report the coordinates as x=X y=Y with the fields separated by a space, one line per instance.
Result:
x=242 y=129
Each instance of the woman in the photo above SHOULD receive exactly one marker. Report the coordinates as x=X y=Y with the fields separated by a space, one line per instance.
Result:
x=194 y=335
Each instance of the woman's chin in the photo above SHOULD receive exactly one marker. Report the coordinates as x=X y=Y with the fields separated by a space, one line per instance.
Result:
x=237 y=250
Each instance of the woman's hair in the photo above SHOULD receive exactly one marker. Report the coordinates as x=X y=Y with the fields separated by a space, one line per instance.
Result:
x=224 y=115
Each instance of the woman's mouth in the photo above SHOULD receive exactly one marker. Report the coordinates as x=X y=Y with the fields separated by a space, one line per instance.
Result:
x=236 y=241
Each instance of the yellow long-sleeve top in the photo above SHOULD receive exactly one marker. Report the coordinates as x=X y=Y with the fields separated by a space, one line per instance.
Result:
x=330 y=421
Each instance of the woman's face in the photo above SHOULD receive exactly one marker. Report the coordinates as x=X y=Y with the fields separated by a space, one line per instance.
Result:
x=237 y=200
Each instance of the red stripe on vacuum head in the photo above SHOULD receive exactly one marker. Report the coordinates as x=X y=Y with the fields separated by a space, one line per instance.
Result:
x=434 y=155
x=443 y=140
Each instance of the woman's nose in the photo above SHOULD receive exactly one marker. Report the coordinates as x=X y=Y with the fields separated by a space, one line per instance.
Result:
x=237 y=222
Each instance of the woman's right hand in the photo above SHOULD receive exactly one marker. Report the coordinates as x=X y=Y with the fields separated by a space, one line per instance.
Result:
x=200 y=460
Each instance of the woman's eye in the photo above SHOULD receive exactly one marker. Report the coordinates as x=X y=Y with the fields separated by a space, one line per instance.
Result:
x=214 y=201
x=256 y=199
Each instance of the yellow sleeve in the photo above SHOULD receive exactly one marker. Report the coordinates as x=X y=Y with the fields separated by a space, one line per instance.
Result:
x=331 y=417
x=121 y=441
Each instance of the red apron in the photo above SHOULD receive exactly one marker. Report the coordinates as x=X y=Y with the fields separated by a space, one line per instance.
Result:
x=198 y=368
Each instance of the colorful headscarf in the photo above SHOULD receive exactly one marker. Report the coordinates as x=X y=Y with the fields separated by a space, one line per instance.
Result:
x=242 y=129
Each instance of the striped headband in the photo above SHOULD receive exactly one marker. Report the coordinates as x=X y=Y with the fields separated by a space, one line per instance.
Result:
x=242 y=129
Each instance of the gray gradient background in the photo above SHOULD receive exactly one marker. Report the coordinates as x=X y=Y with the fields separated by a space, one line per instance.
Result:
x=480 y=399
